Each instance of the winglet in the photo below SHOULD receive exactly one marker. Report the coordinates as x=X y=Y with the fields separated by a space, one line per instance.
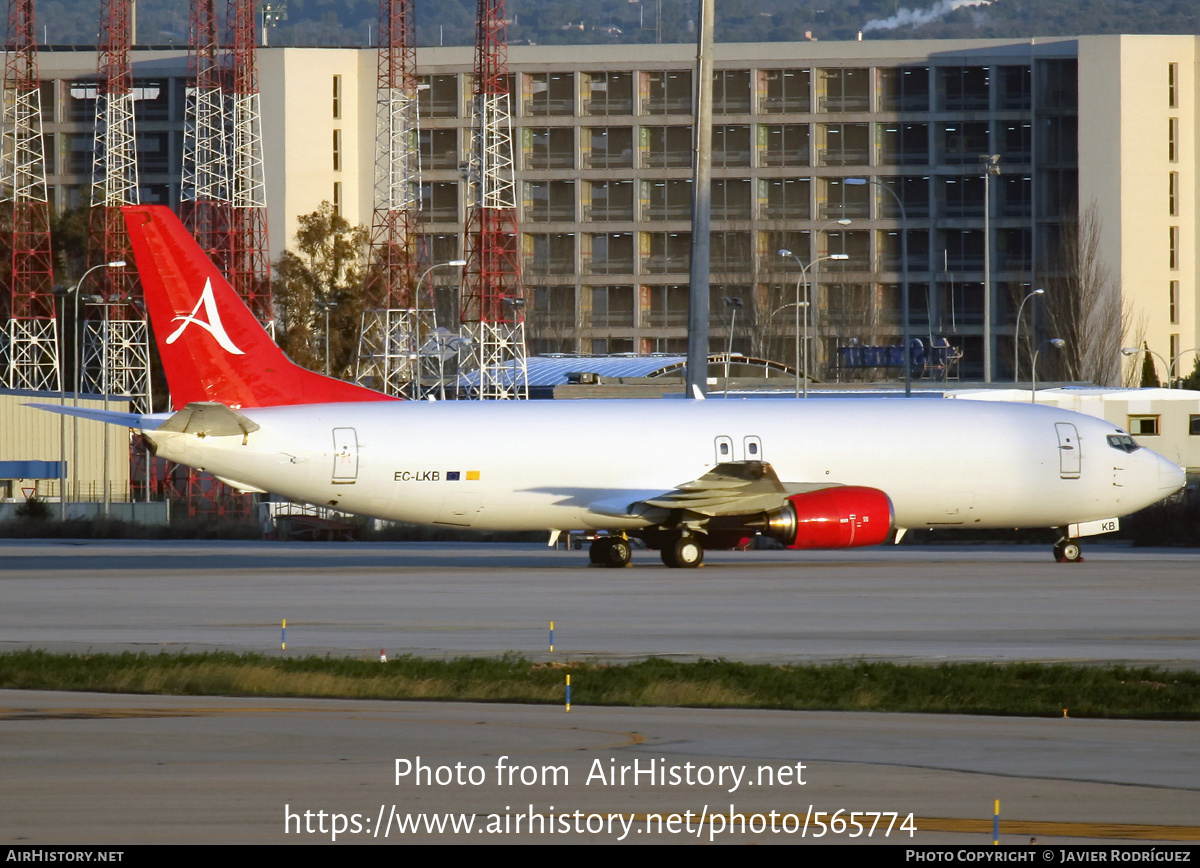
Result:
x=212 y=347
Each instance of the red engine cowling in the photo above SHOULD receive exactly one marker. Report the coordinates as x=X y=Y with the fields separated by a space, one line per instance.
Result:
x=833 y=518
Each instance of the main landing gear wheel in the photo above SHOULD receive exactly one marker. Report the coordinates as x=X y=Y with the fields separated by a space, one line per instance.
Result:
x=684 y=552
x=1068 y=551
x=610 y=551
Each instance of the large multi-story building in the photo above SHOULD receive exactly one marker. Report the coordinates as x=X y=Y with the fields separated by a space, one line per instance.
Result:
x=1100 y=128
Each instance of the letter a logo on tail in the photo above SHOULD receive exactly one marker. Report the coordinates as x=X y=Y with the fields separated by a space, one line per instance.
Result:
x=212 y=325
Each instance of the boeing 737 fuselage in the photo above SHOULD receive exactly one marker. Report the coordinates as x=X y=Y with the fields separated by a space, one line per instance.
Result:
x=682 y=475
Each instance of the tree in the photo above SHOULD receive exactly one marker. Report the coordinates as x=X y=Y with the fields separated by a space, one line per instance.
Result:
x=1149 y=372
x=1083 y=306
x=1192 y=380
x=69 y=236
x=327 y=267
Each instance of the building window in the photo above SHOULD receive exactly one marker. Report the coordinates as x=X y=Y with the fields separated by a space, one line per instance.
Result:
x=1173 y=139
x=1143 y=426
x=1174 y=302
x=731 y=92
x=843 y=90
x=612 y=307
x=844 y=144
x=787 y=90
x=668 y=93
x=731 y=147
x=1173 y=85
x=964 y=88
x=337 y=198
x=609 y=93
x=1172 y=372
x=337 y=150
x=1173 y=195
x=782 y=145
x=1194 y=425
x=549 y=148
x=1174 y=253
x=610 y=147
x=610 y=201
x=550 y=93
x=439 y=149
x=437 y=96
x=905 y=89
x=550 y=201
x=337 y=97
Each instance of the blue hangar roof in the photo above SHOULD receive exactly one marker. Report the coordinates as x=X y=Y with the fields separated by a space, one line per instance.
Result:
x=553 y=370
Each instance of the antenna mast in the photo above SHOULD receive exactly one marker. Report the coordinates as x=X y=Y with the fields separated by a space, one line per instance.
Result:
x=492 y=313
x=31 y=361
x=393 y=316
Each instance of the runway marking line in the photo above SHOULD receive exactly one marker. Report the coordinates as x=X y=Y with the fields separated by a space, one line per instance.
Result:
x=1034 y=828
x=629 y=739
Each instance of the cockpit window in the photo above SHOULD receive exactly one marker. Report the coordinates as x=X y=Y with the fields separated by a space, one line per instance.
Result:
x=1123 y=442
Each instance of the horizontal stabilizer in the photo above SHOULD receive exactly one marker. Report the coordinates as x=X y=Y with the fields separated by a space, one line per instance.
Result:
x=112 y=417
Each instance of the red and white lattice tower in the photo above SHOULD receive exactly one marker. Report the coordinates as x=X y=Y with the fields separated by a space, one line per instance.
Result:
x=204 y=194
x=30 y=344
x=492 y=312
x=116 y=357
x=389 y=343
x=249 y=266
x=205 y=209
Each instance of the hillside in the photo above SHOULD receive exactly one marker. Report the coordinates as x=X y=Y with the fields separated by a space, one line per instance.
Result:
x=548 y=22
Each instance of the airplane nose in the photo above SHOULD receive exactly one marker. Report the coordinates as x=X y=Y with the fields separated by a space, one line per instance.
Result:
x=1171 y=477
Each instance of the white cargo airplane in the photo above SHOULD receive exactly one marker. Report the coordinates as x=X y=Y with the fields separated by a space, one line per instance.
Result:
x=680 y=475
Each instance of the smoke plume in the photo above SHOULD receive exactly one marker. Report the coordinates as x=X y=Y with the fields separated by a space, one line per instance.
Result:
x=916 y=17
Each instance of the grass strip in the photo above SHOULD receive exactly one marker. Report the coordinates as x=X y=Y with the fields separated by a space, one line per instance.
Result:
x=1027 y=689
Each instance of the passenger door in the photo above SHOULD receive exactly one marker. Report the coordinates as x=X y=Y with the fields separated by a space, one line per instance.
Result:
x=1068 y=450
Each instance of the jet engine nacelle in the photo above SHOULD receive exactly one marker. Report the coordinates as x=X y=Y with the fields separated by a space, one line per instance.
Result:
x=832 y=518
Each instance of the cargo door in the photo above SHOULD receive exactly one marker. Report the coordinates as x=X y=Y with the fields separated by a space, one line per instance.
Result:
x=345 y=455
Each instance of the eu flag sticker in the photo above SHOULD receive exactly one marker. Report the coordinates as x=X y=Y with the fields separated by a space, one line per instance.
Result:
x=452 y=476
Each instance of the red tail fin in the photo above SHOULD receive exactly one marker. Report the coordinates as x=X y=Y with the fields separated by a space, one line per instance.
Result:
x=212 y=347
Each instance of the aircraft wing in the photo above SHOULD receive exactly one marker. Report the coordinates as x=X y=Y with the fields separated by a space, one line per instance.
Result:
x=732 y=488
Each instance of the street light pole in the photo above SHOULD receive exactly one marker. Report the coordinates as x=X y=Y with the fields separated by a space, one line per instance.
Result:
x=326 y=306
x=906 y=355
x=807 y=301
x=453 y=263
x=1058 y=344
x=77 y=350
x=1017 y=335
x=1130 y=351
x=1175 y=361
x=810 y=356
x=991 y=166
x=734 y=305
x=61 y=292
